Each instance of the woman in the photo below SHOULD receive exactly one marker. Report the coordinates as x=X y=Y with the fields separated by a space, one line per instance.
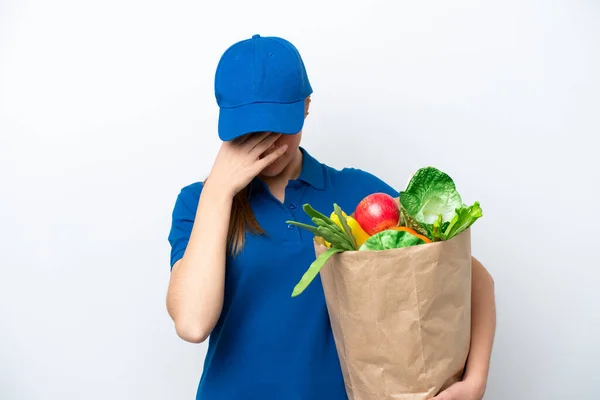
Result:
x=235 y=260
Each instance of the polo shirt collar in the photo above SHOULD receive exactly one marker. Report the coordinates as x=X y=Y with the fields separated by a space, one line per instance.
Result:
x=312 y=171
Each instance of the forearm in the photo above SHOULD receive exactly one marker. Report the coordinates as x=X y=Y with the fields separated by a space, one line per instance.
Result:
x=195 y=294
x=483 y=326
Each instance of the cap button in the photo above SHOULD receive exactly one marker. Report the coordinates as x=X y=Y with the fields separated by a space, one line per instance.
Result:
x=255 y=36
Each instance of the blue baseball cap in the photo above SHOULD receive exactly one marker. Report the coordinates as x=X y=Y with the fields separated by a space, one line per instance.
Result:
x=260 y=86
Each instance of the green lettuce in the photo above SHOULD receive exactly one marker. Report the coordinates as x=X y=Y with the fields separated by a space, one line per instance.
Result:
x=464 y=218
x=390 y=239
x=432 y=206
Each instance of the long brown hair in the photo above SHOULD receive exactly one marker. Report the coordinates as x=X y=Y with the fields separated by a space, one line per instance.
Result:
x=242 y=221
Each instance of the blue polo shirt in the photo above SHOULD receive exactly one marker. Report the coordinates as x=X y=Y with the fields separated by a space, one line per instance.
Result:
x=266 y=344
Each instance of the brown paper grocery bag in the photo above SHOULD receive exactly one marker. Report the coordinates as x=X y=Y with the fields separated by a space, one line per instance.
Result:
x=401 y=318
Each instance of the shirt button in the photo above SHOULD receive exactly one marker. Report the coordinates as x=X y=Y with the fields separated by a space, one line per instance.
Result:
x=292 y=205
x=290 y=226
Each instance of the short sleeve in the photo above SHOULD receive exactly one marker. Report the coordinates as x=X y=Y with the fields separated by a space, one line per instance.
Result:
x=368 y=183
x=182 y=221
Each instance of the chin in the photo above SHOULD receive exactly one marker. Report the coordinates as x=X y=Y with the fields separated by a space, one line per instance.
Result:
x=272 y=171
x=276 y=168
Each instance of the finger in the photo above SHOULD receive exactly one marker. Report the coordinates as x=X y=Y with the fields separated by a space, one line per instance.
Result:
x=271 y=157
x=255 y=139
x=266 y=143
x=240 y=140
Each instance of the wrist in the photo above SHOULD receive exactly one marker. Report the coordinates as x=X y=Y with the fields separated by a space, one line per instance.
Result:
x=219 y=190
x=477 y=383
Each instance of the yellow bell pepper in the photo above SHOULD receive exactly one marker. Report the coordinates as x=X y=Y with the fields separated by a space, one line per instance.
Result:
x=357 y=231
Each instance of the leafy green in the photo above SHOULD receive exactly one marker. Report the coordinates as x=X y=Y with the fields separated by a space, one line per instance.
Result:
x=341 y=240
x=335 y=236
x=327 y=229
x=463 y=219
x=344 y=223
x=390 y=239
x=311 y=212
x=437 y=231
x=430 y=193
x=432 y=206
x=314 y=270
x=411 y=222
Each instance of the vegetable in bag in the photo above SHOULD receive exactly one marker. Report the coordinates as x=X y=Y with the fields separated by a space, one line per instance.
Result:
x=430 y=209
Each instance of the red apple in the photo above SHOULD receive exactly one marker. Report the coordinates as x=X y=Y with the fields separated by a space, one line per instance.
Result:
x=377 y=212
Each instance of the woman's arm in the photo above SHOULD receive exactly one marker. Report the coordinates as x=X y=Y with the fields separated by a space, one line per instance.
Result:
x=483 y=328
x=195 y=293
x=196 y=287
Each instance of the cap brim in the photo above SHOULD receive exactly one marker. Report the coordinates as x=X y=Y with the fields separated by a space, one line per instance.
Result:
x=281 y=118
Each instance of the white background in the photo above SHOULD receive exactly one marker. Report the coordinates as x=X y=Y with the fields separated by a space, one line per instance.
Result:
x=107 y=109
